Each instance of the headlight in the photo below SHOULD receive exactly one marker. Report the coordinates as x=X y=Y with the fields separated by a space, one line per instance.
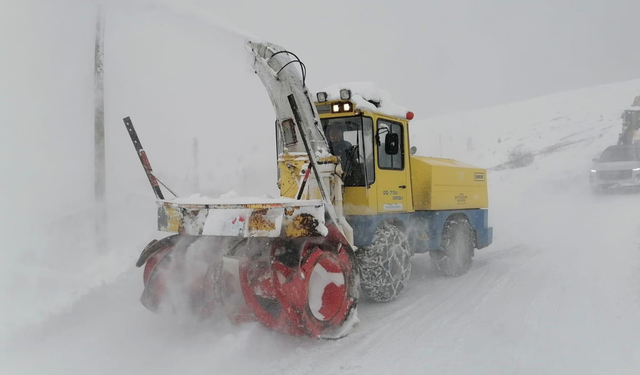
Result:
x=321 y=96
x=336 y=108
x=593 y=171
x=636 y=169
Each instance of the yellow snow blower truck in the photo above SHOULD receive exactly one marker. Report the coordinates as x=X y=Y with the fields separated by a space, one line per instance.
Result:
x=355 y=205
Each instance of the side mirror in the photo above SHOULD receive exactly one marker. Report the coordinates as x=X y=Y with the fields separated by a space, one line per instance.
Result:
x=413 y=150
x=391 y=144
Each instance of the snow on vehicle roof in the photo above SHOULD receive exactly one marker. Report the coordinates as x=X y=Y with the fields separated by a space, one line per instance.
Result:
x=362 y=93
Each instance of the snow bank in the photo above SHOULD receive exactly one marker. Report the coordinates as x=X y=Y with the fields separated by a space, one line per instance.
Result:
x=164 y=72
x=583 y=121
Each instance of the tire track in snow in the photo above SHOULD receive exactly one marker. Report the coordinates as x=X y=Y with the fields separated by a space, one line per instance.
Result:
x=543 y=307
x=431 y=303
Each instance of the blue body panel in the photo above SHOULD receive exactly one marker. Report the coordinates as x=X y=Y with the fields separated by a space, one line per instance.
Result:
x=423 y=228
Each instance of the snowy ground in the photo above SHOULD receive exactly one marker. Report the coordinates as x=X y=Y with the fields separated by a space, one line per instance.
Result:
x=557 y=291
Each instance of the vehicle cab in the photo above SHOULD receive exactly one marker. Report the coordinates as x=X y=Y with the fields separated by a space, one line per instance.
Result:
x=370 y=136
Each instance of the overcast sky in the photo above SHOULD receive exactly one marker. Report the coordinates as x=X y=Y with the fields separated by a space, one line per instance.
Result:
x=436 y=57
x=447 y=56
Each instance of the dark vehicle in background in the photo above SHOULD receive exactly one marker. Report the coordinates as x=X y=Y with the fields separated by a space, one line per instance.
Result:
x=617 y=168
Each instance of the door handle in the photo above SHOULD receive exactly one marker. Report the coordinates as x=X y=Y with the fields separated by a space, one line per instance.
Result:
x=402 y=186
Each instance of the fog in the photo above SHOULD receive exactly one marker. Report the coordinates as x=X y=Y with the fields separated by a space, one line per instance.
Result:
x=441 y=57
x=180 y=70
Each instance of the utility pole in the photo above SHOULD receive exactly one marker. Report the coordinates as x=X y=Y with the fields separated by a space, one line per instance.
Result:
x=196 y=166
x=100 y=170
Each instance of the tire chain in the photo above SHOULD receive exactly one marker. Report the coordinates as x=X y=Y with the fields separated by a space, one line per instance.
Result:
x=385 y=265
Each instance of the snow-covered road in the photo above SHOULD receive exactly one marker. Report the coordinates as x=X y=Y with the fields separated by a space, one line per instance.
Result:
x=556 y=293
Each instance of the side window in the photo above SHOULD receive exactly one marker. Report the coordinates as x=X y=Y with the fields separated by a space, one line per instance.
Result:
x=386 y=161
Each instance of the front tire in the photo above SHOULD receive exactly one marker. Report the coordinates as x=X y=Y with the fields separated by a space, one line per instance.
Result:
x=385 y=265
x=456 y=253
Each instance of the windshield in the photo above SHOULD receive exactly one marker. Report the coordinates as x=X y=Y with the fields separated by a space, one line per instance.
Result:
x=351 y=139
x=613 y=154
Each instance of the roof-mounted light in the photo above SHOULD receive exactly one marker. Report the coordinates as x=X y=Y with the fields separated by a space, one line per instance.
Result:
x=342 y=107
x=409 y=115
x=345 y=94
x=322 y=97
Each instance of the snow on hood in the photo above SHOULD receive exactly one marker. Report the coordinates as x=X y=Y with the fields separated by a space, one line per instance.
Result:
x=364 y=92
x=632 y=109
x=616 y=165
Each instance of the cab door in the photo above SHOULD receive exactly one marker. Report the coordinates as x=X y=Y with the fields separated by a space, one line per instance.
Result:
x=391 y=176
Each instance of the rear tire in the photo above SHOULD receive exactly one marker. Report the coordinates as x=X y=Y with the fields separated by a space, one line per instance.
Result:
x=456 y=253
x=385 y=265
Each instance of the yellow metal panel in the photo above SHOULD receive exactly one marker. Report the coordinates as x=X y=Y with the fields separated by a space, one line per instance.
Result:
x=421 y=184
x=291 y=167
x=444 y=184
x=173 y=221
x=360 y=201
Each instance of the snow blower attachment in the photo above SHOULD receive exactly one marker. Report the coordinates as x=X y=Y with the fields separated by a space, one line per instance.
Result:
x=290 y=259
x=352 y=211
